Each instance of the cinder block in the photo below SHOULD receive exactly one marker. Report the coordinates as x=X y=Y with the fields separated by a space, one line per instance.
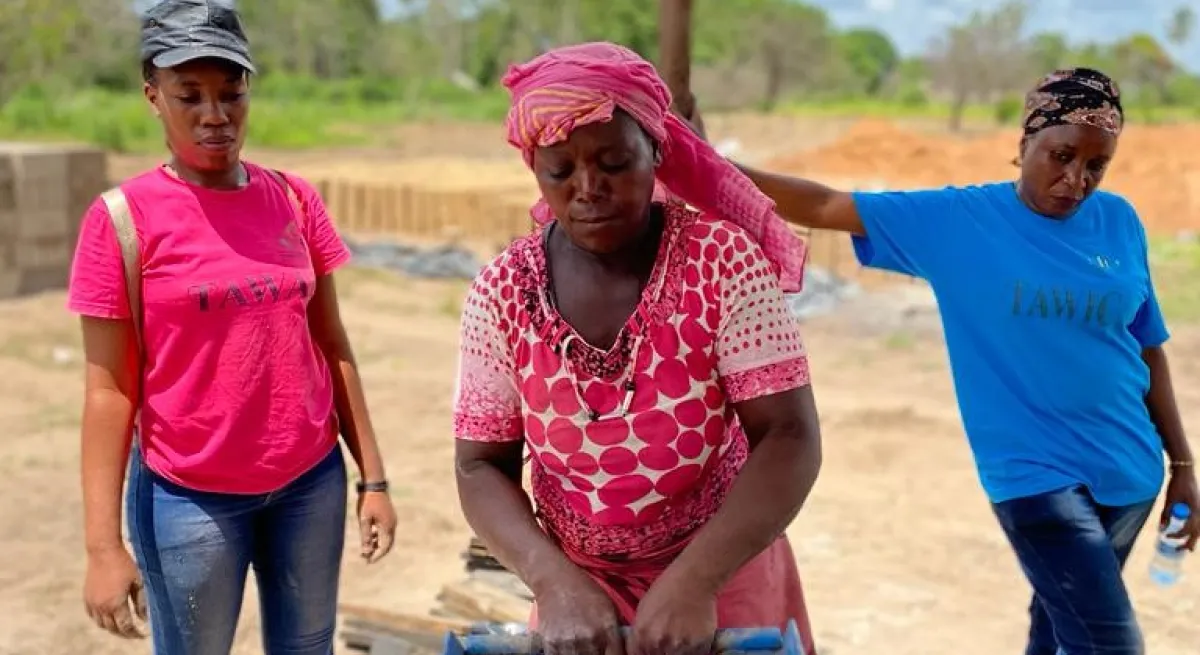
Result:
x=43 y=183
x=10 y=282
x=44 y=191
x=36 y=222
x=87 y=175
x=44 y=252
x=37 y=280
x=8 y=186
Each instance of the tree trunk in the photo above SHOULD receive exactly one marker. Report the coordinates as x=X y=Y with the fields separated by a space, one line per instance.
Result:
x=674 y=52
x=957 y=108
x=773 y=70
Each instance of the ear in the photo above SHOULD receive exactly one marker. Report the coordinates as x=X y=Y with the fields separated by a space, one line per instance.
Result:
x=1021 y=150
x=152 y=94
x=658 y=156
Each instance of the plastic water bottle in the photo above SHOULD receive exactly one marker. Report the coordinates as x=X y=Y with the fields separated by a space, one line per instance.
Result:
x=1167 y=565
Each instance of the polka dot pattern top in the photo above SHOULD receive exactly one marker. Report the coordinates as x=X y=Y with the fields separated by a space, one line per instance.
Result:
x=634 y=446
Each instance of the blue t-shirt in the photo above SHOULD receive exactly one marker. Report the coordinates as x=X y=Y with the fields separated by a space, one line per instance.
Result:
x=1045 y=322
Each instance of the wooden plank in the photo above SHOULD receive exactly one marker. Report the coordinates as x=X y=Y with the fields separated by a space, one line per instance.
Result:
x=404 y=622
x=391 y=647
x=383 y=644
x=504 y=581
x=364 y=636
x=479 y=601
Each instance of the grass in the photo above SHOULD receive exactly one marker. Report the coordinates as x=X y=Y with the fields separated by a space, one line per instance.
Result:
x=900 y=340
x=1175 y=265
x=999 y=113
x=285 y=115
x=298 y=113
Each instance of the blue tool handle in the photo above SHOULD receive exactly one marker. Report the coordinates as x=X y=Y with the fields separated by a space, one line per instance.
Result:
x=728 y=640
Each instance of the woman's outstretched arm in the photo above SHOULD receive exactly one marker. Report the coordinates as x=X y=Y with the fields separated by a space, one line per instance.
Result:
x=807 y=203
x=799 y=201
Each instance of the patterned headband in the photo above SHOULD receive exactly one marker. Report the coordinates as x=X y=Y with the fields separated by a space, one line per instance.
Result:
x=1074 y=96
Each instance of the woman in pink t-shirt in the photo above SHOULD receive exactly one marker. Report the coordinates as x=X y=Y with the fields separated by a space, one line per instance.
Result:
x=244 y=374
x=643 y=352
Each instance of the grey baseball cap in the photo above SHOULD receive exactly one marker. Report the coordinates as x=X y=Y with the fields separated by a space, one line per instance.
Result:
x=178 y=31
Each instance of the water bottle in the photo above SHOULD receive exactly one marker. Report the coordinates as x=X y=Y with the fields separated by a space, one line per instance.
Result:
x=1167 y=565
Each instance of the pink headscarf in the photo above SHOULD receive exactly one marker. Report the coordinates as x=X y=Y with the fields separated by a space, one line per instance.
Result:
x=574 y=86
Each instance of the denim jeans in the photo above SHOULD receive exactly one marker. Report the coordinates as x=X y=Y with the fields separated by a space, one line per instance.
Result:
x=195 y=548
x=1072 y=551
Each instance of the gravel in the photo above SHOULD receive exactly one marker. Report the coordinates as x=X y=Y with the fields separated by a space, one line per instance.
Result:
x=442 y=262
x=908 y=308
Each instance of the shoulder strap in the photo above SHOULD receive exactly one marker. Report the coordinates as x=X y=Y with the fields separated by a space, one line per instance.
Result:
x=289 y=190
x=122 y=220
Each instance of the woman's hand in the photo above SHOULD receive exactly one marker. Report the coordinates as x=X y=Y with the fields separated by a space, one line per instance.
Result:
x=676 y=617
x=576 y=617
x=376 y=524
x=112 y=585
x=1183 y=489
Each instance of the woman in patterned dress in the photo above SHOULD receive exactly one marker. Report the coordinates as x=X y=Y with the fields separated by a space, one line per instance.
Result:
x=643 y=352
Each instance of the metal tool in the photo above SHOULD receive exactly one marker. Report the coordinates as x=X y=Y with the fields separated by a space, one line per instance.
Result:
x=733 y=641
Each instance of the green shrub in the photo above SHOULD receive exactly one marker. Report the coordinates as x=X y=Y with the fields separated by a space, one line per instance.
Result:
x=1008 y=110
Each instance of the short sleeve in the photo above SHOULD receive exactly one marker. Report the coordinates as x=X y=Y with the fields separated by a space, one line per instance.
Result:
x=487 y=404
x=1148 y=326
x=759 y=349
x=906 y=230
x=96 y=286
x=329 y=251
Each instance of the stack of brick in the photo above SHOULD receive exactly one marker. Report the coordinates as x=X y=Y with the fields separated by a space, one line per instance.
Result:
x=426 y=214
x=44 y=191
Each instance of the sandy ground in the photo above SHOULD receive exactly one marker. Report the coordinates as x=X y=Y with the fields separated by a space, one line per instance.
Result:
x=898 y=549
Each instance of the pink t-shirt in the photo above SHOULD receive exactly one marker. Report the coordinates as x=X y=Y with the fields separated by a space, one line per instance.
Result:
x=237 y=396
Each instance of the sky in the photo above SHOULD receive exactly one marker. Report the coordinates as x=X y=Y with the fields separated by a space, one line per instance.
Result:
x=912 y=23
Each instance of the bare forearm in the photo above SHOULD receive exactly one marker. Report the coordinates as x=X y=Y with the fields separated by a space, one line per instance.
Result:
x=767 y=495
x=106 y=438
x=499 y=511
x=804 y=202
x=1164 y=412
x=353 y=414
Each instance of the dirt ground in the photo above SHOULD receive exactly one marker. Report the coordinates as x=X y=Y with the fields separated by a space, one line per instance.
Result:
x=1156 y=167
x=897 y=546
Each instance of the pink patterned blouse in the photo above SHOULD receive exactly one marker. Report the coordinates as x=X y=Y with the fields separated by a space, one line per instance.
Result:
x=634 y=448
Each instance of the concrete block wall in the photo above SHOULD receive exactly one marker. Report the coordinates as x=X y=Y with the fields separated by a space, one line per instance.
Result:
x=44 y=191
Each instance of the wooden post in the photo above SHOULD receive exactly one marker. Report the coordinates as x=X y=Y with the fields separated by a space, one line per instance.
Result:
x=675 y=51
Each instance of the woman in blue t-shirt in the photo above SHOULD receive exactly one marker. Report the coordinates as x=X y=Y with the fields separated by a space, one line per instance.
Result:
x=1055 y=342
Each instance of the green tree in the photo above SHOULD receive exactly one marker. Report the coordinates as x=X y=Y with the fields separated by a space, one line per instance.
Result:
x=1181 y=25
x=1143 y=67
x=1048 y=51
x=790 y=43
x=53 y=43
x=871 y=57
x=982 y=58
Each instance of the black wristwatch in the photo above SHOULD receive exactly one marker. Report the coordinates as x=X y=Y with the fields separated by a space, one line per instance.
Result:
x=381 y=486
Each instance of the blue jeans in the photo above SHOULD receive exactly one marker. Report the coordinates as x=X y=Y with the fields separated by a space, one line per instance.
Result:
x=1072 y=551
x=194 y=549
